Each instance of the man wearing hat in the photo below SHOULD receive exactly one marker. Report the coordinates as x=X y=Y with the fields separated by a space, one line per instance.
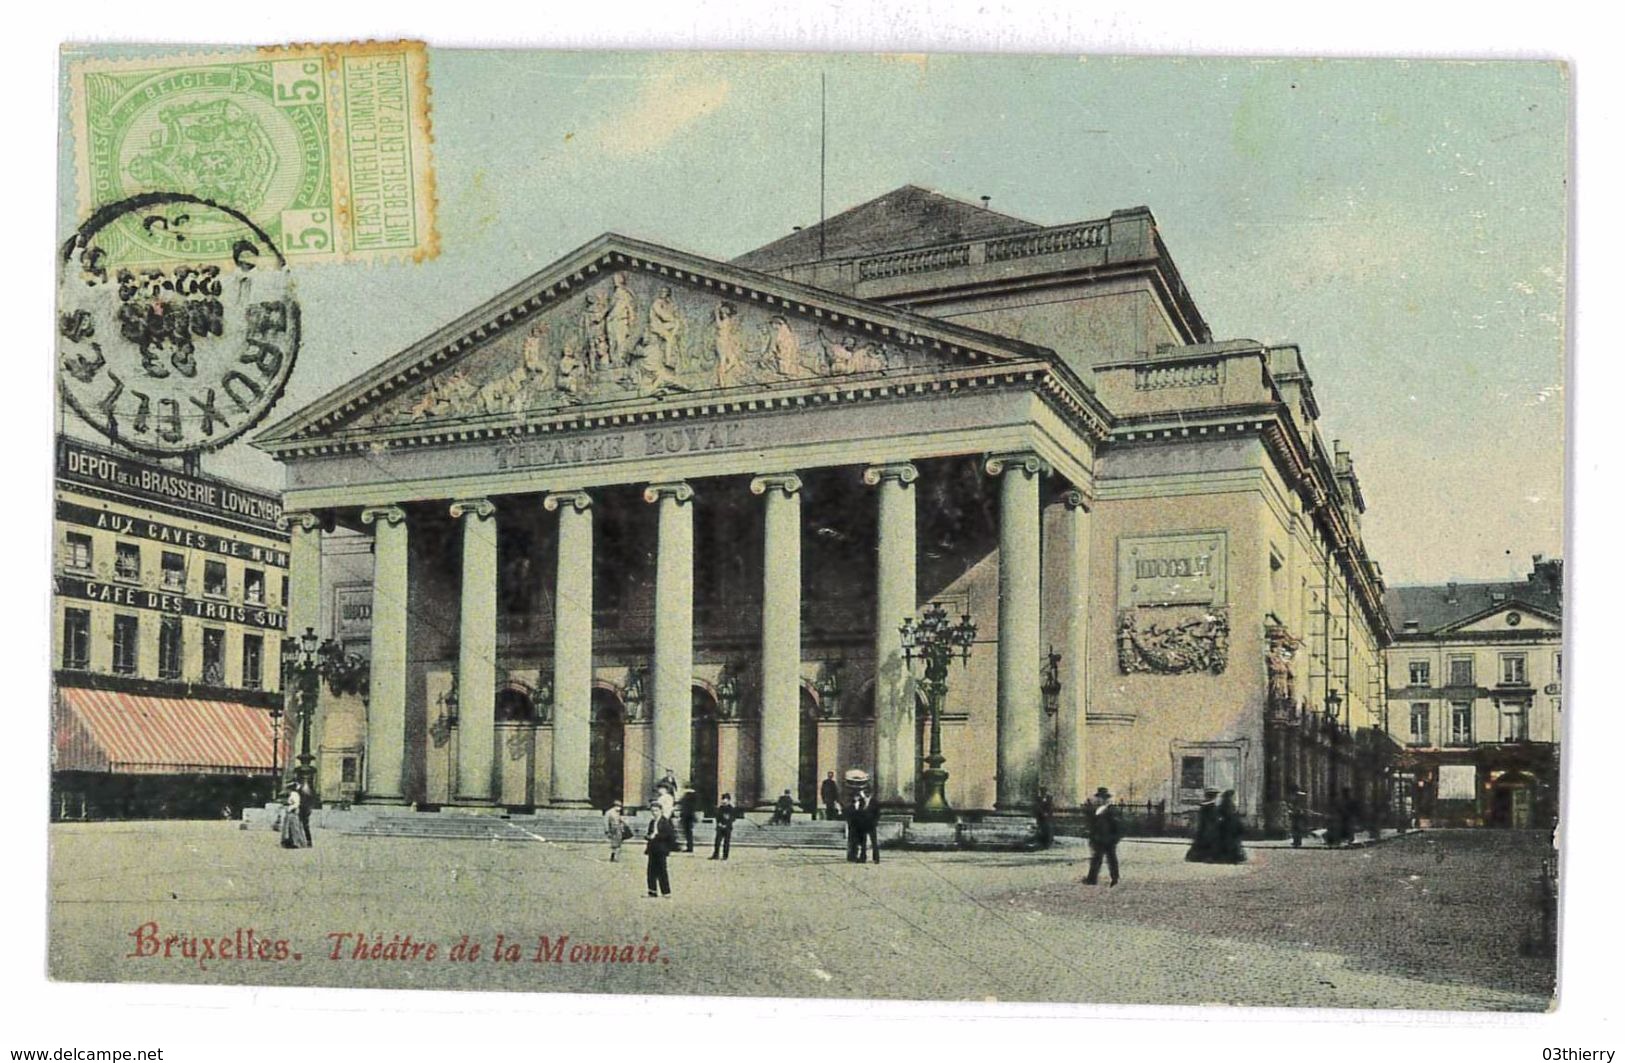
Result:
x=1298 y=818
x=1105 y=831
x=726 y=814
x=1205 y=844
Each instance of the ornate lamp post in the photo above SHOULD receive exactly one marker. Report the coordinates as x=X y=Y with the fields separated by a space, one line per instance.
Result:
x=828 y=686
x=1051 y=684
x=1333 y=704
x=936 y=641
x=306 y=661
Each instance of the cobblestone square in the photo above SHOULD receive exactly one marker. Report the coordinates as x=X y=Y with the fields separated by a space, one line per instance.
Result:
x=1439 y=920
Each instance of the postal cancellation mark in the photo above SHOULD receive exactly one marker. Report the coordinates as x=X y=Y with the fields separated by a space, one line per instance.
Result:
x=327 y=148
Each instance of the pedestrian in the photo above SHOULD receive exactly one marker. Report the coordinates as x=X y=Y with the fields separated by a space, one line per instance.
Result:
x=856 y=835
x=829 y=791
x=1230 y=829
x=1044 y=813
x=658 y=843
x=1348 y=812
x=616 y=829
x=669 y=781
x=783 y=810
x=307 y=805
x=1105 y=831
x=1298 y=818
x=686 y=816
x=293 y=831
x=871 y=827
x=726 y=814
x=1205 y=839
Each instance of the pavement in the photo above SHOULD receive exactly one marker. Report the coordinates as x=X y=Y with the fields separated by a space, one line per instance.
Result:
x=1430 y=921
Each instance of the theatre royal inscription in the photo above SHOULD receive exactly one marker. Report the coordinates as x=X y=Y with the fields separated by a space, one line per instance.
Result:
x=1183 y=569
x=616 y=446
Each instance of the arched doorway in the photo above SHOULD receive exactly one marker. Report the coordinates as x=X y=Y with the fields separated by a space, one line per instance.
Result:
x=807 y=763
x=702 y=763
x=606 y=778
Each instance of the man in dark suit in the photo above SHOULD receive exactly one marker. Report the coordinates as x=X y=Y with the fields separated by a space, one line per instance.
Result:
x=1105 y=831
x=1044 y=813
x=659 y=842
x=725 y=828
x=687 y=813
x=871 y=828
x=782 y=811
x=857 y=813
x=307 y=804
x=829 y=791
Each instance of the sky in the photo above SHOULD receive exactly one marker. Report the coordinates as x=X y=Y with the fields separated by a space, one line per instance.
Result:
x=1403 y=222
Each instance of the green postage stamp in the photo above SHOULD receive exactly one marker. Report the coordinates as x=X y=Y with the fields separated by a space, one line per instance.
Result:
x=326 y=148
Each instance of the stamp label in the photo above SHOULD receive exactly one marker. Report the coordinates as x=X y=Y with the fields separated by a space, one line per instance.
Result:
x=325 y=147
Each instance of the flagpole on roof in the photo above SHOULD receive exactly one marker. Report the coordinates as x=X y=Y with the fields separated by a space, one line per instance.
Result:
x=823 y=149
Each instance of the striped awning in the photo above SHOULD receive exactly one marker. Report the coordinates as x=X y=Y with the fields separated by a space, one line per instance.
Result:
x=105 y=731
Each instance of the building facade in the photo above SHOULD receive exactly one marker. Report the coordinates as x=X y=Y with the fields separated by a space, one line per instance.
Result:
x=168 y=618
x=651 y=511
x=1476 y=693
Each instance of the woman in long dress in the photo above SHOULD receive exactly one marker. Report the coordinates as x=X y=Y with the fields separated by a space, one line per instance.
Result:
x=614 y=829
x=293 y=831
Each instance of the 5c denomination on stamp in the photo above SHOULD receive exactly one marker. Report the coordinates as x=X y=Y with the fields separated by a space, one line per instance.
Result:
x=325 y=147
x=177 y=358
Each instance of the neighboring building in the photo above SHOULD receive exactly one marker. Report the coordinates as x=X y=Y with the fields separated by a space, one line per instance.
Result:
x=1475 y=681
x=168 y=617
x=647 y=510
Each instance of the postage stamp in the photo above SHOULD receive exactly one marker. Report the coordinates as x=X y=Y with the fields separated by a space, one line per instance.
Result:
x=327 y=148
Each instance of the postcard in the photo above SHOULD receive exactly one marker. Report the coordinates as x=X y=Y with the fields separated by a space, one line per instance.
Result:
x=890 y=527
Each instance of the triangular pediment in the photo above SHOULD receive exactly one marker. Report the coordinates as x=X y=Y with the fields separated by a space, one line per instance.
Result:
x=1511 y=616
x=624 y=322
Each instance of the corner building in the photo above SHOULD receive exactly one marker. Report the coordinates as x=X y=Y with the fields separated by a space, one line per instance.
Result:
x=647 y=510
x=167 y=621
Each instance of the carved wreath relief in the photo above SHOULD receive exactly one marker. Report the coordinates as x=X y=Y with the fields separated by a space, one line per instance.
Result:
x=638 y=336
x=1194 y=644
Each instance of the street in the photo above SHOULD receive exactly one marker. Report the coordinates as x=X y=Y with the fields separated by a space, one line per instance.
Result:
x=1433 y=921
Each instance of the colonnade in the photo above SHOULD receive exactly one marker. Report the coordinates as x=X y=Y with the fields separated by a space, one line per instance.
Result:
x=1020 y=654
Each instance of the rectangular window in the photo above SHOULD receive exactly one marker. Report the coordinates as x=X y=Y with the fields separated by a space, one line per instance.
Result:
x=1461 y=723
x=1515 y=723
x=1192 y=772
x=1421 y=674
x=126 y=636
x=253 y=586
x=283 y=601
x=253 y=661
x=214 y=656
x=76 y=638
x=1557 y=663
x=1461 y=671
x=347 y=770
x=174 y=571
x=127 y=561
x=214 y=579
x=1420 y=734
x=169 y=648
x=1513 y=671
x=79 y=555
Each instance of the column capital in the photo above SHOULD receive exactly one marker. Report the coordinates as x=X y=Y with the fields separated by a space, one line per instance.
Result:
x=388 y=514
x=303 y=519
x=788 y=482
x=1072 y=498
x=903 y=472
x=1025 y=460
x=679 y=491
x=580 y=501
x=478 y=508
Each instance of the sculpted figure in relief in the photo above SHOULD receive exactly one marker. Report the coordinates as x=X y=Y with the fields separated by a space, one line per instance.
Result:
x=595 y=326
x=848 y=356
x=783 y=354
x=730 y=345
x=621 y=321
x=666 y=329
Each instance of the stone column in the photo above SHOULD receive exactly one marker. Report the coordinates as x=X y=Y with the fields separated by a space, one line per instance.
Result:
x=477 y=654
x=1021 y=701
x=896 y=598
x=781 y=634
x=572 y=650
x=1073 y=724
x=386 y=700
x=672 y=718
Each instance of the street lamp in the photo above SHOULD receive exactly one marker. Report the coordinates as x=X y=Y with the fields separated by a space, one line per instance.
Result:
x=1051 y=685
x=301 y=664
x=1334 y=798
x=936 y=641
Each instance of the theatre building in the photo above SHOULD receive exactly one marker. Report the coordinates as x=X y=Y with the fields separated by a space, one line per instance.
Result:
x=1476 y=676
x=647 y=511
x=168 y=620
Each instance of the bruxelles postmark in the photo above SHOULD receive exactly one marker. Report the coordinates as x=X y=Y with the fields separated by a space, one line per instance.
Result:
x=325 y=147
x=175 y=358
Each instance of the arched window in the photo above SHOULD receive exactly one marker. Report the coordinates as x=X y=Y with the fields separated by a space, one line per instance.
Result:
x=514 y=705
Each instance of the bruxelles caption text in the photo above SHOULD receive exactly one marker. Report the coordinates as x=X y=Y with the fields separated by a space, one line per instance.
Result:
x=248 y=945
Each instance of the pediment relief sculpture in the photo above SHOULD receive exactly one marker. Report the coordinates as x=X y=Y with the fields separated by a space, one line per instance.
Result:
x=637 y=335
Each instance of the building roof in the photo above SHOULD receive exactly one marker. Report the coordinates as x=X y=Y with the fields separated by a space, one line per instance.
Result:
x=905 y=217
x=1436 y=607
